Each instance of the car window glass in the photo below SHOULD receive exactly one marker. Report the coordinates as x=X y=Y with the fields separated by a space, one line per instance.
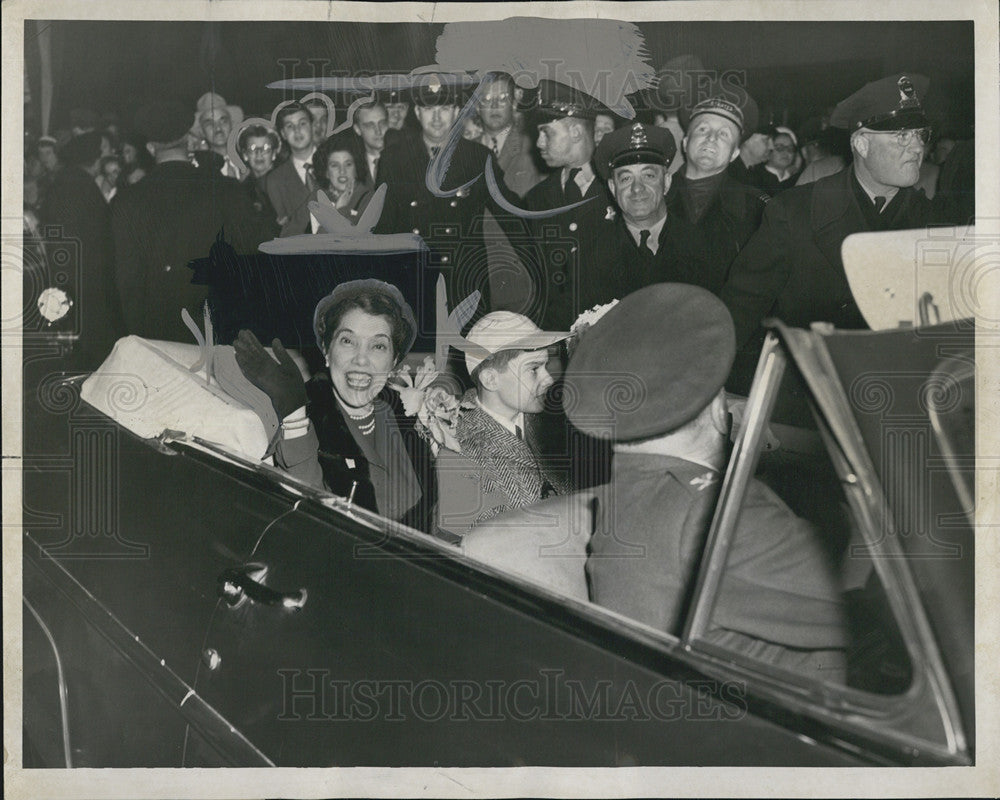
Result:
x=799 y=591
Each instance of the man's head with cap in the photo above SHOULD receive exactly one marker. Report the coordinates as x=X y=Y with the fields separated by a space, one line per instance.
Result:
x=565 y=122
x=513 y=377
x=888 y=129
x=634 y=160
x=652 y=365
x=397 y=105
x=165 y=125
x=715 y=127
x=437 y=99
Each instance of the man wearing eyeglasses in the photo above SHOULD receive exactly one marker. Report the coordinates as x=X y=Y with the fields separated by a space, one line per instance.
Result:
x=791 y=268
x=510 y=146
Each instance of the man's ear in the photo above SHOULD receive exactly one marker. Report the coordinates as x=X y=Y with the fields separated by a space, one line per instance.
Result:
x=735 y=155
x=720 y=415
x=611 y=188
x=488 y=378
x=151 y=149
x=667 y=180
x=859 y=144
x=357 y=130
x=684 y=145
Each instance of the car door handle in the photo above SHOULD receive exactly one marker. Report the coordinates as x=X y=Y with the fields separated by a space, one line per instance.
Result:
x=237 y=584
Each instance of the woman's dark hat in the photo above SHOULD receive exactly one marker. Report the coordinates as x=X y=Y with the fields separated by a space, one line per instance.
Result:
x=351 y=289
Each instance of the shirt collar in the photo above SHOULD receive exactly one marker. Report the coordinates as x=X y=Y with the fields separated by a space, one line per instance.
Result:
x=654 y=232
x=510 y=424
x=871 y=195
x=780 y=175
x=501 y=137
x=583 y=178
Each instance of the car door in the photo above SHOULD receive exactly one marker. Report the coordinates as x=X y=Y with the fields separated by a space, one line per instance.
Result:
x=122 y=537
x=347 y=640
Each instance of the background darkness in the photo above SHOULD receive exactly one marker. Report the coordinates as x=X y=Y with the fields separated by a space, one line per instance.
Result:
x=793 y=69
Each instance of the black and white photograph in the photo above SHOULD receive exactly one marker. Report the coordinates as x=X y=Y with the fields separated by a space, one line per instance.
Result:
x=500 y=400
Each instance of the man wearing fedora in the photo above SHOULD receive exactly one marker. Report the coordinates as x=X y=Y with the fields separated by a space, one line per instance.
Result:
x=792 y=268
x=634 y=545
x=214 y=121
x=499 y=467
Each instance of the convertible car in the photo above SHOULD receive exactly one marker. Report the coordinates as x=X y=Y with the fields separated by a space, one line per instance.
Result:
x=188 y=606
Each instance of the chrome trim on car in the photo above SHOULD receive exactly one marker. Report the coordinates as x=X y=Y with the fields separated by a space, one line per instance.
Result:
x=61 y=680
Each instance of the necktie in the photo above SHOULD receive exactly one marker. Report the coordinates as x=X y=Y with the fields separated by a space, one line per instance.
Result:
x=644 y=241
x=571 y=191
x=435 y=151
x=310 y=180
x=496 y=150
x=518 y=432
x=375 y=169
x=879 y=204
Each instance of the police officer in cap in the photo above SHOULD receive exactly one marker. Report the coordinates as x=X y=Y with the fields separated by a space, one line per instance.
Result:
x=569 y=244
x=718 y=213
x=451 y=226
x=641 y=535
x=650 y=245
x=792 y=268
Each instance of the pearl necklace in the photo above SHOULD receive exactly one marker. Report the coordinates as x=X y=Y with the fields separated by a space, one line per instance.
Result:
x=366 y=428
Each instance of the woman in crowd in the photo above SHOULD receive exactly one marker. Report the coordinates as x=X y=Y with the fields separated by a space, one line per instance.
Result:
x=258 y=147
x=341 y=170
x=108 y=176
x=783 y=164
x=136 y=159
x=337 y=432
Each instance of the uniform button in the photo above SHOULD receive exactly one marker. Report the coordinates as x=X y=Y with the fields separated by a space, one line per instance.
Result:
x=416 y=231
x=444 y=259
x=413 y=204
x=166 y=268
x=453 y=203
x=448 y=231
x=572 y=226
x=573 y=249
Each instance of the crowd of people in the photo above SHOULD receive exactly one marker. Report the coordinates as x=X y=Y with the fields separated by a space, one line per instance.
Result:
x=703 y=222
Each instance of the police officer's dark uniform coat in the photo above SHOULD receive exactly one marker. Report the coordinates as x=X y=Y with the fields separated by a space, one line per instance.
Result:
x=792 y=268
x=572 y=253
x=451 y=226
x=170 y=217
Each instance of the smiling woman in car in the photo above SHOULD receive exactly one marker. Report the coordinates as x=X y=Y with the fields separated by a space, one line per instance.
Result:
x=349 y=441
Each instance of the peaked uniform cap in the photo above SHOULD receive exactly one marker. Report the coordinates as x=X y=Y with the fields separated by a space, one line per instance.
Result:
x=634 y=144
x=889 y=104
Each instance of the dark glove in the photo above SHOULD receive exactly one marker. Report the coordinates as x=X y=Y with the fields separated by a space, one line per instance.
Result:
x=280 y=380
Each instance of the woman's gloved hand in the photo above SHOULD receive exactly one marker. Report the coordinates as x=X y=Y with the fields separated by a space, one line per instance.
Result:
x=280 y=380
